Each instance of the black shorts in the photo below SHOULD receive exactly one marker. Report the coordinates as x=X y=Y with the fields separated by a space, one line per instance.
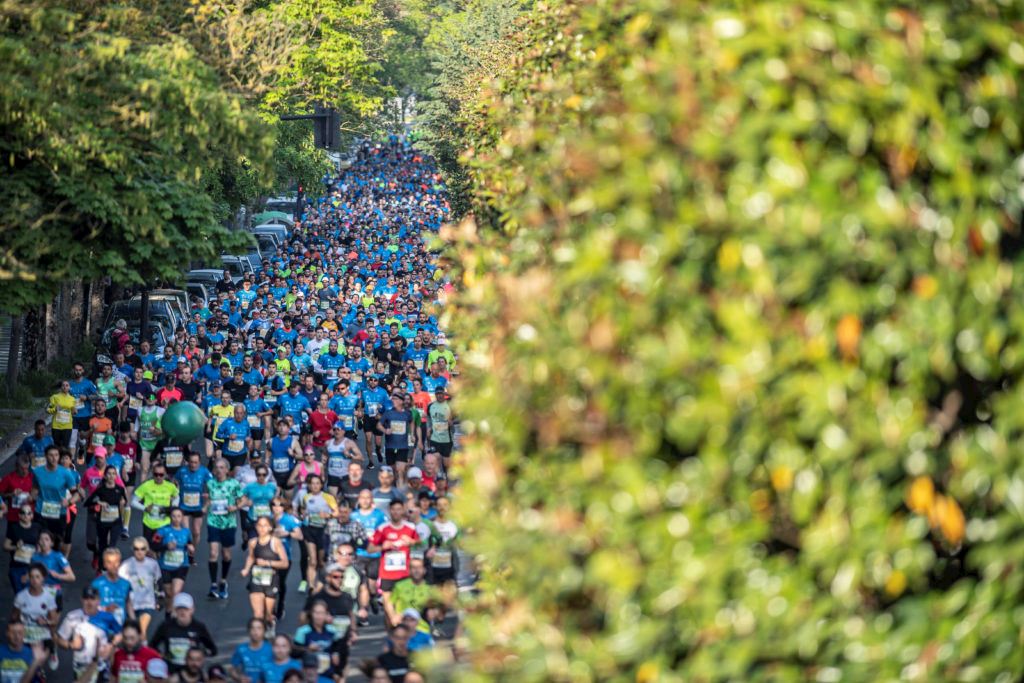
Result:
x=57 y=527
x=333 y=481
x=80 y=423
x=168 y=575
x=131 y=478
x=445 y=449
x=314 y=535
x=114 y=415
x=369 y=425
x=194 y=513
x=281 y=478
x=396 y=455
x=388 y=585
x=226 y=537
x=236 y=460
x=257 y=434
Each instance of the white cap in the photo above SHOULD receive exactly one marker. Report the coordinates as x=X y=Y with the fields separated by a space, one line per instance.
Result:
x=157 y=668
x=414 y=473
x=411 y=613
x=183 y=600
x=441 y=339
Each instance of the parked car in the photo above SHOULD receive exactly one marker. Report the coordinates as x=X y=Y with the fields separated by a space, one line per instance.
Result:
x=176 y=299
x=279 y=231
x=161 y=311
x=239 y=266
x=287 y=203
x=159 y=335
x=198 y=291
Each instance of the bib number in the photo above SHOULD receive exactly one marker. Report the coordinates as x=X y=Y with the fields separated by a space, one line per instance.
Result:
x=190 y=499
x=398 y=428
x=262 y=576
x=395 y=562
x=63 y=416
x=51 y=509
x=236 y=445
x=98 y=439
x=173 y=458
x=280 y=465
x=442 y=559
x=24 y=554
x=254 y=421
x=109 y=513
x=174 y=558
x=219 y=507
x=134 y=403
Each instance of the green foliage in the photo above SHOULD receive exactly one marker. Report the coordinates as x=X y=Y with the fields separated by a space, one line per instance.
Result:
x=747 y=343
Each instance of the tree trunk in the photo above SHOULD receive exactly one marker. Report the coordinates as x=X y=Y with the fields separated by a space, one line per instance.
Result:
x=13 y=354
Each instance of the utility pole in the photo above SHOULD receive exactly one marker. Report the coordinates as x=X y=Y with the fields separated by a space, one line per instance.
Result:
x=326 y=126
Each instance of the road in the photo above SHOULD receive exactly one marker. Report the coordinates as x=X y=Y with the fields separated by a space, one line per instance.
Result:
x=226 y=619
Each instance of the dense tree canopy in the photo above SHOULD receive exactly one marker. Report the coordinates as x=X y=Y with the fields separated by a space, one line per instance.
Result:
x=743 y=357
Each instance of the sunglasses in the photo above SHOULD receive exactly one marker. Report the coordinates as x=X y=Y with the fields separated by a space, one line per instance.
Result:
x=159 y=474
x=140 y=547
x=345 y=554
x=335 y=576
x=25 y=513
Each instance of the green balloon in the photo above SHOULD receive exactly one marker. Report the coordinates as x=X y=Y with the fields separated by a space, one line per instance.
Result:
x=183 y=422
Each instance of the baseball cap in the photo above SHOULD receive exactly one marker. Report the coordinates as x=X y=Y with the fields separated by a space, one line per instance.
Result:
x=441 y=339
x=334 y=567
x=415 y=473
x=157 y=668
x=183 y=600
x=148 y=374
x=100 y=452
x=310 y=660
x=90 y=592
x=411 y=613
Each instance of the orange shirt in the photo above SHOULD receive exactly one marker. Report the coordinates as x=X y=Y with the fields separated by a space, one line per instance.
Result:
x=422 y=399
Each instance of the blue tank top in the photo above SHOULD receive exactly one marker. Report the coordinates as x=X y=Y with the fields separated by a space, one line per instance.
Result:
x=281 y=461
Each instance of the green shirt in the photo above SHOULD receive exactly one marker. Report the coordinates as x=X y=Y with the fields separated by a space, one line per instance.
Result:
x=157 y=498
x=406 y=594
x=223 y=494
x=440 y=416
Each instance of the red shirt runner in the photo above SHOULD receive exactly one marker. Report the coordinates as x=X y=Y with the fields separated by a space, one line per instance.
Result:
x=13 y=482
x=394 y=563
x=322 y=423
x=130 y=667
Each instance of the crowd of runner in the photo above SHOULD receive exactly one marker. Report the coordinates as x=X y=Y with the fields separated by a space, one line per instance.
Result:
x=323 y=469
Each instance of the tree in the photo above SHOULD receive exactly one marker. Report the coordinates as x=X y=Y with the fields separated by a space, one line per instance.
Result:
x=743 y=372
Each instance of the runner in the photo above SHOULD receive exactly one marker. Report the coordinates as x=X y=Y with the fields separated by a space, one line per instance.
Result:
x=147 y=426
x=315 y=508
x=235 y=438
x=266 y=557
x=155 y=498
x=394 y=541
x=179 y=634
x=439 y=426
x=224 y=499
x=35 y=606
x=399 y=435
x=62 y=407
x=105 y=506
x=283 y=452
x=287 y=528
x=341 y=451
x=191 y=481
x=281 y=662
x=321 y=638
x=132 y=659
x=175 y=544
x=54 y=489
x=143 y=573
x=259 y=493
x=114 y=590
x=251 y=659
x=89 y=633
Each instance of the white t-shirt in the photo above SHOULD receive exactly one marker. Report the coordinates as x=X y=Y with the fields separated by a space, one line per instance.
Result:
x=144 y=577
x=32 y=607
x=77 y=623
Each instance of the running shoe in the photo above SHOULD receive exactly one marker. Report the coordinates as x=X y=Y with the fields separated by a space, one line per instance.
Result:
x=214 y=593
x=223 y=593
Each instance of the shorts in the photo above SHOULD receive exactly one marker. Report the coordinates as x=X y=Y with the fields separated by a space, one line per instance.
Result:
x=388 y=585
x=168 y=575
x=270 y=591
x=235 y=461
x=396 y=455
x=225 y=537
x=131 y=478
x=369 y=425
x=113 y=414
x=333 y=481
x=257 y=434
x=314 y=535
x=194 y=513
x=368 y=566
x=281 y=478
x=58 y=527
x=80 y=423
x=445 y=449
x=351 y=434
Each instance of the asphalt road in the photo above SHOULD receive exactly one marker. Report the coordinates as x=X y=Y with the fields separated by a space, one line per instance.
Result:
x=226 y=619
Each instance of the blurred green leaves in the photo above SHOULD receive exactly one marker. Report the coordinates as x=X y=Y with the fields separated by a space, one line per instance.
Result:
x=755 y=272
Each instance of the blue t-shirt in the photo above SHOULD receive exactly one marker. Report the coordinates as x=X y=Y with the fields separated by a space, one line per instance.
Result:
x=106 y=621
x=192 y=485
x=174 y=559
x=36 y=447
x=232 y=430
x=375 y=401
x=84 y=388
x=260 y=495
x=281 y=462
x=255 y=406
x=53 y=561
x=252 y=662
x=369 y=521
x=14 y=663
x=306 y=635
x=289 y=523
x=294 y=406
x=113 y=593
x=400 y=424
x=53 y=488
x=345 y=407
x=274 y=672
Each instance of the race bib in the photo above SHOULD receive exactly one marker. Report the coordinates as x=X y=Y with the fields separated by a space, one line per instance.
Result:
x=51 y=509
x=190 y=499
x=130 y=675
x=260 y=510
x=178 y=648
x=332 y=373
x=129 y=465
x=323 y=660
x=173 y=458
x=398 y=428
x=442 y=559
x=63 y=415
x=236 y=445
x=254 y=421
x=98 y=438
x=342 y=623
x=270 y=399
x=109 y=513
x=346 y=421
x=79 y=402
x=38 y=460
x=395 y=561
x=134 y=403
x=280 y=465
x=336 y=466
x=36 y=633
x=219 y=507
x=317 y=519
x=174 y=558
x=440 y=426
x=372 y=409
x=24 y=554
x=262 y=576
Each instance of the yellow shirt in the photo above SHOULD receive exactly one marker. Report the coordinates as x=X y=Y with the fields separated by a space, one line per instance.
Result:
x=217 y=415
x=62 y=407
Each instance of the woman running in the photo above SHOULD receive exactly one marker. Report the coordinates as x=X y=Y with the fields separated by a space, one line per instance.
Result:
x=315 y=508
x=175 y=544
x=36 y=607
x=443 y=556
x=105 y=506
x=266 y=557
x=309 y=465
x=341 y=450
x=58 y=569
x=260 y=493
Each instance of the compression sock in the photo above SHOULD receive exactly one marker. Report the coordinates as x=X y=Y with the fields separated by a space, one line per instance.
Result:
x=212 y=566
x=225 y=567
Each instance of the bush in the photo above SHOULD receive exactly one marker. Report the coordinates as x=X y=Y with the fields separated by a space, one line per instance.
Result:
x=745 y=386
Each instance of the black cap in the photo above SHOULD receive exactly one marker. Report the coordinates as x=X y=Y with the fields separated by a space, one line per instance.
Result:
x=90 y=592
x=310 y=659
